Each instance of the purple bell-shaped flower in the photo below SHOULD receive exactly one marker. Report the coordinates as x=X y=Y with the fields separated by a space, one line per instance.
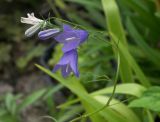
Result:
x=68 y=63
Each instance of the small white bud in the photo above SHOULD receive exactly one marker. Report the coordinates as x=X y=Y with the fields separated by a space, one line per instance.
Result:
x=32 y=20
x=32 y=30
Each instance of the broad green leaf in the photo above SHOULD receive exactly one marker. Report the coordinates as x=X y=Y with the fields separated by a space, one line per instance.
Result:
x=128 y=89
x=150 y=99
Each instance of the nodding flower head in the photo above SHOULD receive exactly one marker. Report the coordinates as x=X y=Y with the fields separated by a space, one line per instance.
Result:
x=68 y=63
x=35 y=22
x=71 y=38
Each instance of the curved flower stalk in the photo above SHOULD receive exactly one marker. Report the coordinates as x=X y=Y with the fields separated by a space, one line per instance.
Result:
x=35 y=22
x=71 y=38
x=68 y=63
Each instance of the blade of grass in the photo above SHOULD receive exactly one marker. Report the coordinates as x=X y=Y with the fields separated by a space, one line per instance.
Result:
x=131 y=61
x=150 y=53
x=143 y=11
x=115 y=26
x=120 y=107
x=127 y=89
x=79 y=90
x=31 y=99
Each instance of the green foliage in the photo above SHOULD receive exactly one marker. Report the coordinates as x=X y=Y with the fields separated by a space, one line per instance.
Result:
x=140 y=75
x=134 y=56
x=151 y=54
x=90 y=102
x=11 y=109
x=127 y=88
x=126 y=27
x=31 y=99
x=36 y=52
x=4 y=52
x=115 y=27
x=149 y=100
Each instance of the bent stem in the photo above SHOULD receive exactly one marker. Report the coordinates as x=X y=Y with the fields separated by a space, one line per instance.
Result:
x=75 y=24
x=111 y=97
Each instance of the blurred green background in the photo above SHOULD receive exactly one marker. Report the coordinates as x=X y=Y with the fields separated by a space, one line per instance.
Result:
x=130 y=28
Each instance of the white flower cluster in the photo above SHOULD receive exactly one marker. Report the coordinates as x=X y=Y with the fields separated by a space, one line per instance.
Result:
x=35 y=22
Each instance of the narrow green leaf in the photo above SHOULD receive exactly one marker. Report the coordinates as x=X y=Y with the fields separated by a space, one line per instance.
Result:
x=131 y=61
x=128 y=89
x=150 y=53
x=31 y=99
x=79 y=90
x=115 y=26
x=10 y=102
x=74 y=110
x=52 y=90
x=120 y=108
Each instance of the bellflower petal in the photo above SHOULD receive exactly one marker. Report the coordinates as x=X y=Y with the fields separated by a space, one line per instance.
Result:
x=56 y=67
x=72 y=44
x=82 y=34
x=62 y=37
x=68 y=63
x=66 y=27
x=74 y=65
x=71 y=38
x=46 y=34
x=66 y=70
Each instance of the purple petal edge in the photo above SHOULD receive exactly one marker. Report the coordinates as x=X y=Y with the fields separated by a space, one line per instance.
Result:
x=46 y=34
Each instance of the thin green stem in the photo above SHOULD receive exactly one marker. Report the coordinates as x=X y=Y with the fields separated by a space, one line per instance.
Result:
x=111 y=97
x=74 y=24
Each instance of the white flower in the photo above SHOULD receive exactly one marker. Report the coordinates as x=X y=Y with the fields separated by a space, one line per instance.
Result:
x=32 y=20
